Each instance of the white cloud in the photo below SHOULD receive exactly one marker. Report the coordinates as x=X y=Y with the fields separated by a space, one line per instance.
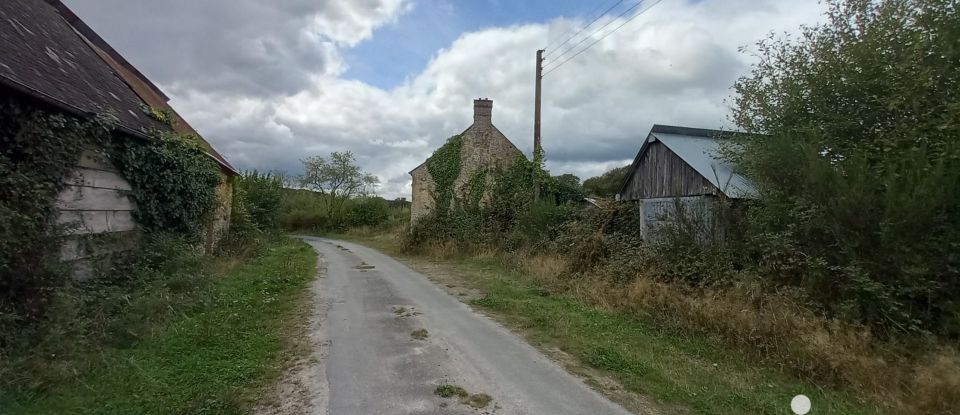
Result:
x=350 y=22
x=673 y=65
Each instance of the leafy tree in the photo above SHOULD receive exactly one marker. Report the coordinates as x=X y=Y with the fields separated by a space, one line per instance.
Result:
x=262 y=195
x=858 y=160
x=336 y=178
x=606 y=184
x=566 y=188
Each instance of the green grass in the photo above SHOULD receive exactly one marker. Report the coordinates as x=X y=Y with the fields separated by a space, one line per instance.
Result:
x=697 y=373
x=208 y=359
x=449 y=391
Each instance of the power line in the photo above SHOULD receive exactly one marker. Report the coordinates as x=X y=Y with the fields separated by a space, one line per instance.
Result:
x=588 y=37
x=549 y=51
x=557 y=66
x=573 y=29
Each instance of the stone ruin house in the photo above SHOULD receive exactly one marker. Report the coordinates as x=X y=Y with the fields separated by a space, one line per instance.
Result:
x=483 y=147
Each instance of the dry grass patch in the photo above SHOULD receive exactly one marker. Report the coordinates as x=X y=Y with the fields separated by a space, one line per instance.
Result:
x=904 y=378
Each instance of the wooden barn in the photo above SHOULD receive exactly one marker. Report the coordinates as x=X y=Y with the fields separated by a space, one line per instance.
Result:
x=53 y=61
x=680 y=165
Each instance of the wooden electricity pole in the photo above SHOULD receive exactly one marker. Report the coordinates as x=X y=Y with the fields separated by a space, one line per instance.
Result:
x=537 y=149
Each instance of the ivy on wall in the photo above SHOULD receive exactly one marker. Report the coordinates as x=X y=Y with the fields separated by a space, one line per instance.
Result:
x=476 y=187
x=513 y=187
x=444 y=167
x=501 y=203
x=38 y=151
x=173 y=184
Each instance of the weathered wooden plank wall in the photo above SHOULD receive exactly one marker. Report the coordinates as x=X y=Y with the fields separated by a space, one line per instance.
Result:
x=661 y=173
x=96 y=199
x=95 y=202
x=656 y=212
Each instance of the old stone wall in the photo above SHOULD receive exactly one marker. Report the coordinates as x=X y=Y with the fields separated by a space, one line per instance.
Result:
x=220 y=222
x=423 y=193
x=483 y=148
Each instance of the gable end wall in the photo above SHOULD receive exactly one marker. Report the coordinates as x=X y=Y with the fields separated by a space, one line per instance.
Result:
x=661 y=173
x=482 y=148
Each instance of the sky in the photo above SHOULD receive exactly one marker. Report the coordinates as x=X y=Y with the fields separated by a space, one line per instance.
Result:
x=270 y=83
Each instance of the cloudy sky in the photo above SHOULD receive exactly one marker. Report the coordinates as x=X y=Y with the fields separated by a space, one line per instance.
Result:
x=273 y=82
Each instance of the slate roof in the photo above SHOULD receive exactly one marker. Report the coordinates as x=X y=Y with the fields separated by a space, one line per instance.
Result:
x=43 y=56
x=145 y=89
x=700 y=149
x=49 y=53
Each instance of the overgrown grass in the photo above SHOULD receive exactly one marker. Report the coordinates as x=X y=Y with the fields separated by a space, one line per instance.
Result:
x=201 y=340
x=696 y=372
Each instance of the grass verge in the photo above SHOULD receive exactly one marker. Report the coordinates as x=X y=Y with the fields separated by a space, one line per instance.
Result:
x=209 y=355
x=697 y=373
x=643 y=355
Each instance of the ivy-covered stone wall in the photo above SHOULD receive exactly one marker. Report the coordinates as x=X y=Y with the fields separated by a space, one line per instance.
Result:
x=450 y=175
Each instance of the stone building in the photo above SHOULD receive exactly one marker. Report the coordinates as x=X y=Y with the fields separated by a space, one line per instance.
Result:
x=483 y=147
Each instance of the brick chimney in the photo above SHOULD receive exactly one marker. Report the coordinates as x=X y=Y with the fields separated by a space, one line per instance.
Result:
x=482 y=113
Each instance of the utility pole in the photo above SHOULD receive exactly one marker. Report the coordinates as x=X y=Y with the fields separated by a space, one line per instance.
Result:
x=537 y=149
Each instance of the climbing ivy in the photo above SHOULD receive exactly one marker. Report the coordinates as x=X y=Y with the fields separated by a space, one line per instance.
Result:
x=37 y=153
x=476 y=187
x=173 y=182
x=444 y=167
x=162 y=115
x=497 y=204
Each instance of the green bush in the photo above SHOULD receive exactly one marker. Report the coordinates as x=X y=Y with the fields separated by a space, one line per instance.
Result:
x=857 y=163
x=367 y=211
x=245 y=237
x=262 y=193
x=875 y=247
x=306 y=210
x=699 y=242
x=606 y=184
x=89 y=312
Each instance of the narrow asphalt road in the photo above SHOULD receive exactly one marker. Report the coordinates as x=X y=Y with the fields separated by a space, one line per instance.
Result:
x=373 y=365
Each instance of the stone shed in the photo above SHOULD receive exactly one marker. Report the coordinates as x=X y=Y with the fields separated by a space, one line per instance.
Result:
x=482 y=146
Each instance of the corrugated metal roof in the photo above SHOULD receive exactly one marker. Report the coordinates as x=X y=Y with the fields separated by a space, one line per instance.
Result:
x=703 y=154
